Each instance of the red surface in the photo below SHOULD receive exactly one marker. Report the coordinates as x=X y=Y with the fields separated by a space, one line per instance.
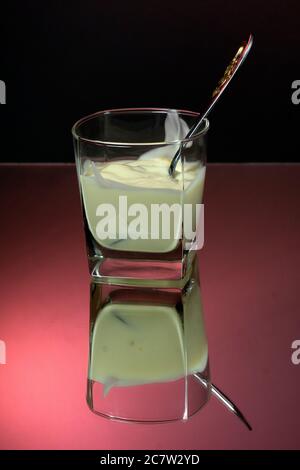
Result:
x=250 y=283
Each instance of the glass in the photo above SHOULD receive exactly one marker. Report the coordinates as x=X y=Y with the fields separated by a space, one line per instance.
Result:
x=148 y=356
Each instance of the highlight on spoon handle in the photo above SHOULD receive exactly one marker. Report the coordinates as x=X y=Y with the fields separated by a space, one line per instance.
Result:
x=225 y=401
x=230 y=71
x=238 y=59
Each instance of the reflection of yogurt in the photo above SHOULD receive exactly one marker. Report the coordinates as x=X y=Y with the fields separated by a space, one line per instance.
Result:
x=145 y=180
x=142 y=343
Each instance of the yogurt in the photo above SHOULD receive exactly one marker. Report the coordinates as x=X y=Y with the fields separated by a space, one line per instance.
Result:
x=145 y=180
x=134 y=344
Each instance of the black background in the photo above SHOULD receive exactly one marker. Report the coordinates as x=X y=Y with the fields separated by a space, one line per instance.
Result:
x=62 y=60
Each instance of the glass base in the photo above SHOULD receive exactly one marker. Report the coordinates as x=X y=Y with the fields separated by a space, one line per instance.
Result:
x=151 y=403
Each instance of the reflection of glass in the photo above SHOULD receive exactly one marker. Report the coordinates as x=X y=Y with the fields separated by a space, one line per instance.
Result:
x=146 y=346
x=147 y=333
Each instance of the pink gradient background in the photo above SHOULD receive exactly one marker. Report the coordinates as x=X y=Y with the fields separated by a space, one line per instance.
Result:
x=250 y=282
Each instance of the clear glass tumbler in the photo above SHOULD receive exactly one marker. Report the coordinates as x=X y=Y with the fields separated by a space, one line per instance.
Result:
x=148 y=358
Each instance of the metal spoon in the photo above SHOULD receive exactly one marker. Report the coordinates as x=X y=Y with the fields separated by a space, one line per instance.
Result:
x=225 y=401
x=228 y=74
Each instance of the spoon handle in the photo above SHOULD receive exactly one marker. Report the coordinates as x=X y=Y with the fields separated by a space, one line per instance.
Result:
x=230 y=71
x=224 y=400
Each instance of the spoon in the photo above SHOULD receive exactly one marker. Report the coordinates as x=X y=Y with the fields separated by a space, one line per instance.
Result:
x=224 y=400
x=234 y=65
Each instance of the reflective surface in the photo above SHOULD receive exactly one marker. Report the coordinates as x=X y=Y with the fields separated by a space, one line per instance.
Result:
x=251 y=298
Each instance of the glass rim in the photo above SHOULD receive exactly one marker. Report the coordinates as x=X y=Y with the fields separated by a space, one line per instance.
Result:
x=89 y=117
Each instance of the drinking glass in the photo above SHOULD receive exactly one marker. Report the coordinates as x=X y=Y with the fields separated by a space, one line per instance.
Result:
x=148 y=355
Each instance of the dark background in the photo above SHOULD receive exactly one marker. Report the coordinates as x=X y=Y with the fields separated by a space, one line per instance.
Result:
x=62 y=60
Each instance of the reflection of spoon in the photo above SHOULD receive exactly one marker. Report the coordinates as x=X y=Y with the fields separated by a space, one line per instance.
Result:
x=225 y=400
x=228 y=74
